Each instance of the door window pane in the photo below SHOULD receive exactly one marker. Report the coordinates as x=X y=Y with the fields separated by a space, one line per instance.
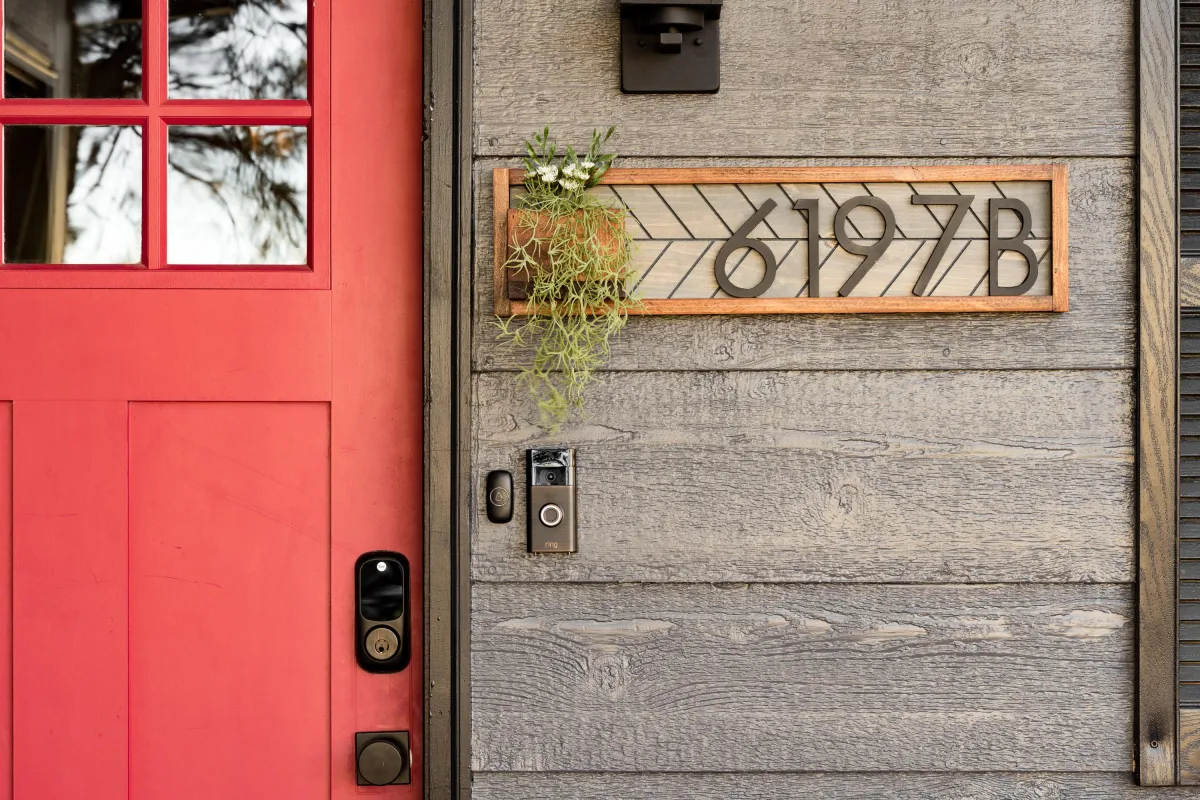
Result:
x=73 y=48
x=237 y=195
x=239 y=49
x=72 y=194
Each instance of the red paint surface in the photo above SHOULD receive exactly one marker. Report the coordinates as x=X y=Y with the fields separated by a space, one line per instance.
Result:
x=377 y=342
x=196 y=463
x=229 y=599
x=70 y=600
x=5 y=600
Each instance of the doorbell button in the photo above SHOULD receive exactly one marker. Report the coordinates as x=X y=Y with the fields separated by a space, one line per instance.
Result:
x=551 y=515
x=500 y=496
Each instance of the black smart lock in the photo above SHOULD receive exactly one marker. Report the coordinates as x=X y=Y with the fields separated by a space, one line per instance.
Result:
x=381 y=611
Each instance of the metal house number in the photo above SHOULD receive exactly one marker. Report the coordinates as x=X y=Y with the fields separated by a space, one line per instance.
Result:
x=873 y=252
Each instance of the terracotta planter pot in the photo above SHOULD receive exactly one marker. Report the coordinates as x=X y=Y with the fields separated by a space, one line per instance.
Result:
x=520 y=234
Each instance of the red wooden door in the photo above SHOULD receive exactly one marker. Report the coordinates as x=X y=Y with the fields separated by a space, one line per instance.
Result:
x=210 y=392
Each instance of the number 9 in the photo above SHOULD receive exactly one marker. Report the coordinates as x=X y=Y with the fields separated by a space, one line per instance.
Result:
x=872 y=252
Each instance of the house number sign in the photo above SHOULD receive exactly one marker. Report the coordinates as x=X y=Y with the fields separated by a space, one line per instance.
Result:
x=970 y=238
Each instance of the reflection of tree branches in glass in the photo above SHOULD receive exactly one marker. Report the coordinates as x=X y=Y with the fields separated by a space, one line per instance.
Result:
x=266 y=166
x=239 y=49
x=105 y=186
x=226 y=49
x=108 y=48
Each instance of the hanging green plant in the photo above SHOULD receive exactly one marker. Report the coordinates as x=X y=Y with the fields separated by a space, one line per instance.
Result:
x=571 y=248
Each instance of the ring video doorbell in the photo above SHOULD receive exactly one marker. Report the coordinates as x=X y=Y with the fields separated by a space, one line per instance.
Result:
x=551 y=508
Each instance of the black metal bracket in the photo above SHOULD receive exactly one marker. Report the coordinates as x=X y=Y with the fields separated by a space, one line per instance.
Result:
x=670 y=48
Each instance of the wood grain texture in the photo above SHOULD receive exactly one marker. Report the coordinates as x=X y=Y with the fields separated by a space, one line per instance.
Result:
x=1060 y=224
x=834 y=786
x=782 y=677
x=500 y=182
x=840 y=77
x=823 y=476
x=1189 y=746
x=1189 y=283
x=447 y=183
x=461 y=412
x=1097 y=333
x=1158 y=251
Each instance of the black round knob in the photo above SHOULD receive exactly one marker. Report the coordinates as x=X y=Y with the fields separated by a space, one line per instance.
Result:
x=380 y=763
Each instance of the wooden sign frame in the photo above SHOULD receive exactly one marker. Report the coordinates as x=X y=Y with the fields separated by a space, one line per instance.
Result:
x=1056 y=174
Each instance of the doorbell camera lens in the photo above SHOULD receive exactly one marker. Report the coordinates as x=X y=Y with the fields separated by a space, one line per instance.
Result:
x=551 y=478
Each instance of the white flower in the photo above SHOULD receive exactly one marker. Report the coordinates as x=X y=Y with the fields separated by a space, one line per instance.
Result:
x=570 y=186
x=548 y=173
x=573 y=171
x=588 y=165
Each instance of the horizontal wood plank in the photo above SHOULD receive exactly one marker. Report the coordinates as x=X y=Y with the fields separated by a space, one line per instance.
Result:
x=834 y=786
x=846 y=476
x=1097 y=332
x=839 y=77
x=817 y=677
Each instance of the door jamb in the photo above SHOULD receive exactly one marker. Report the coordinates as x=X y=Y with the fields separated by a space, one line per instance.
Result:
x=1156 y=756
x=447 y=361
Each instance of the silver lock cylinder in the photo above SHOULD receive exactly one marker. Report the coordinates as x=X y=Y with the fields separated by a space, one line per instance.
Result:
x=382 y=643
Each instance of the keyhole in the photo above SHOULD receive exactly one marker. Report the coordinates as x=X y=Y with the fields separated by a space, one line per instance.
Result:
x=381 y=646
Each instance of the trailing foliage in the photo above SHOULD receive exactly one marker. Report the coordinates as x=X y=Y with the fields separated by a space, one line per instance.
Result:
x=575 y=250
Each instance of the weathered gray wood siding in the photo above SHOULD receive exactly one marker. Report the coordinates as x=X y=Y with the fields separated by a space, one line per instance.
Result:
x=818 y=550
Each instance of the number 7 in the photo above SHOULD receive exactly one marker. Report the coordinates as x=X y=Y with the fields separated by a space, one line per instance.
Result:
x=962 y=203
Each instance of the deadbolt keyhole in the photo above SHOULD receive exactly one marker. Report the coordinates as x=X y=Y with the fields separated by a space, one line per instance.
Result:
x=382 y=643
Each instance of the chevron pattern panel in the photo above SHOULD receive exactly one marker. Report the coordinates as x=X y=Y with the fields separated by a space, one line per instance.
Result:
x=928 y=241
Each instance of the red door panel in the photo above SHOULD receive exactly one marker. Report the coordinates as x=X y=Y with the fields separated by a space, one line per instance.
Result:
x=70 y=600
x=229 y=599
x=192 y=458
x=121 y=344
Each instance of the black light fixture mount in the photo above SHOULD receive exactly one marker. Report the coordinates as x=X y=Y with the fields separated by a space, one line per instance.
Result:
x=670 y=48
